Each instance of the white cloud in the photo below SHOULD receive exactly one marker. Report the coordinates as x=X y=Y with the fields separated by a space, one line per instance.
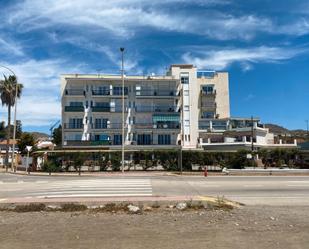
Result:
x=125 y=18
x=40 y=100
x=10 y=47
x=221 y=59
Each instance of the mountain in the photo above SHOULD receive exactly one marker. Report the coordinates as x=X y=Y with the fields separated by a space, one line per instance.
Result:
x=38 y=135
x=280 y=130
x=277 y=129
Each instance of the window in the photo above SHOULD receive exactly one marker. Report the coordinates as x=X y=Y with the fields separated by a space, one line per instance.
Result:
x=164 y=139
x=101 y=123
x=143 y=139
x=184 y=80
x=76 y=123
x=186 y=108
x=76 y=103
x=78 y=137
x=102 y=104
x=208 y=89
x=117 y=139
x=117 y=90
x=208 y=115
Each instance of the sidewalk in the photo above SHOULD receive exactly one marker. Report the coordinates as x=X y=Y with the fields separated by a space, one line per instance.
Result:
x=94 y=174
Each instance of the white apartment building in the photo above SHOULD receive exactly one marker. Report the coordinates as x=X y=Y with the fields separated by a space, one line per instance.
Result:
x=186 y=107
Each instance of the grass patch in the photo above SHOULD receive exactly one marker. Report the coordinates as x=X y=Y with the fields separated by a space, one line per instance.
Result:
x=33 y=207
x=72 y=207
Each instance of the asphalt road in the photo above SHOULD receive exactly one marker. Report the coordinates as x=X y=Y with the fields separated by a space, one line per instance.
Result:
x=250 y=190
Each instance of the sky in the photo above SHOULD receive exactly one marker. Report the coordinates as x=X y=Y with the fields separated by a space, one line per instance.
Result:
x=263 y=45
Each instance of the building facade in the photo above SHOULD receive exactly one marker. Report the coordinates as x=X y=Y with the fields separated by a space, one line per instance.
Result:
x=186 y=107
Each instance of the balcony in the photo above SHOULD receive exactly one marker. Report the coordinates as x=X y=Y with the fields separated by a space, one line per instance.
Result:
x=101 y=92
x=108 y=126
x=155 y=108
x=87 y=143
x=208 y=93
x=75 y=92
x=210 y=105
x=101 y=109
x=73 y=126
x=155 y=93
x=156 y=126
x=74 y=108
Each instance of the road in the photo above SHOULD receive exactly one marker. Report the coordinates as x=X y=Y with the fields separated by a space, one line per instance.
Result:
x=250 y=190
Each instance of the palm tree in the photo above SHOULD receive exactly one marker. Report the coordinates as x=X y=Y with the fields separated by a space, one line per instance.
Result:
x=8 y=88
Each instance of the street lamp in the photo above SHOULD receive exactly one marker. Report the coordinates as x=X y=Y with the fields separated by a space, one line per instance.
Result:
x=123 y=123
x=14 y=131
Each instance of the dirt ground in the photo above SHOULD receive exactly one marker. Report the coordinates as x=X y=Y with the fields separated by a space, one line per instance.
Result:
x=246 y=227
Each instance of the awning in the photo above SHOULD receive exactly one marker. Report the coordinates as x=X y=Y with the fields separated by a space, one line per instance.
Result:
x=165 y=118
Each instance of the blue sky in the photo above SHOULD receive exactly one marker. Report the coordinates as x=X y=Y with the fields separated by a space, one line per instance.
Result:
x=262 y=44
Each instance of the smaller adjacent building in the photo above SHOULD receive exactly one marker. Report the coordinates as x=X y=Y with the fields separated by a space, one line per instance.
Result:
x=3 y=146
x=233 y=134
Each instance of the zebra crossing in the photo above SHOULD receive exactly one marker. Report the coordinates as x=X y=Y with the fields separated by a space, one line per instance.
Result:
x=92 y=188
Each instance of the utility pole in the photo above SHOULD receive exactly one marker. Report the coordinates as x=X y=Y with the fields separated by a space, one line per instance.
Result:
x=123 y=121
x=307 y=122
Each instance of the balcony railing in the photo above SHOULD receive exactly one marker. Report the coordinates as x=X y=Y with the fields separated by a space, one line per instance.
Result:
x=209 y=105
x=155 y=108
x=108 y=126
x=88 y=143
x=101 y=109
x=73 y=108
x=156 y=126
x=156 y=93
x=73 y=126
x=208 y=93
x=101 y=92
x=75 y=92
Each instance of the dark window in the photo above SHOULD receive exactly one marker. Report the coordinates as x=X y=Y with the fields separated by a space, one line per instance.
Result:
x=117 y=139
x=184 y=80
x=143 y=139
x=164 y=139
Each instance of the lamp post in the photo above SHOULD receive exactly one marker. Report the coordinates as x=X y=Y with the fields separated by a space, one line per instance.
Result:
x=14 y=131
x=307 y=122
x=123 y=121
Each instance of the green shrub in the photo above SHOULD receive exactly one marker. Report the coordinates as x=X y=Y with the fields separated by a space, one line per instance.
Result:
x=51 y=166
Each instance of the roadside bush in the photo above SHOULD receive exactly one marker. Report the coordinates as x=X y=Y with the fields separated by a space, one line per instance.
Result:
x=115 y=161
x=51 y=166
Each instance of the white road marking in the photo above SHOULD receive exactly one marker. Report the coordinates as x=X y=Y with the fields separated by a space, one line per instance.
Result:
x=298 y=181
x=298 y=185
x=95 y=195
x=253 y=186
x=93 y=188
x=3 y=200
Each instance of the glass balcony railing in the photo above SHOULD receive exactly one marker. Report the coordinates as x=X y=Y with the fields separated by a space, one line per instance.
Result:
x=74 y=109
x=73 y=126
x=75 y=92
x=101 y=109
x=101 y=92
x=208 y=93
x=155 y=108
x=156 y=93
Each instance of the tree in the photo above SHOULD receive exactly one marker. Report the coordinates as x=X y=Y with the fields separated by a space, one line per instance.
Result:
x=8 y=88
x=57 y=136
x=26 y=139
